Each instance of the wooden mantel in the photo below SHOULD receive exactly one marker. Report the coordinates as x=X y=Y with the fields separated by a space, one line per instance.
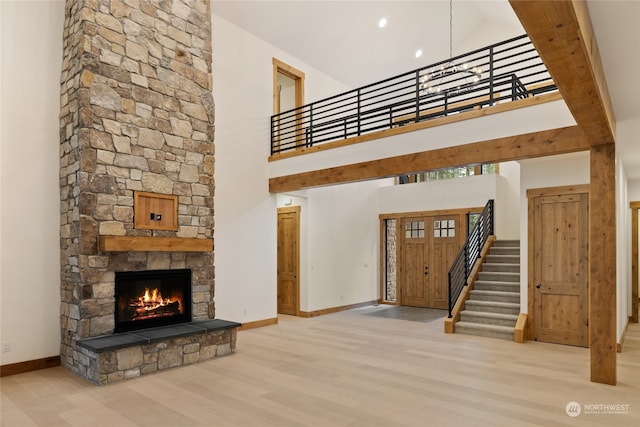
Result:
x=153 y=244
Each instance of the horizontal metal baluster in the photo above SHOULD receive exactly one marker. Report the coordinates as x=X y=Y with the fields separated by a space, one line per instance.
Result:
x=384 y=104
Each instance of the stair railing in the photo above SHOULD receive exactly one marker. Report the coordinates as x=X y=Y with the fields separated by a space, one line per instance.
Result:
x=469 y=254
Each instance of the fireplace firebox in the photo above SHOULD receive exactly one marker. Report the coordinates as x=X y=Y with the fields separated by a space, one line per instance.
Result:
x=146 y=299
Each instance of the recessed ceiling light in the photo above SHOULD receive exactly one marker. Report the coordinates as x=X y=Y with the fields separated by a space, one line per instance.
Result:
x=418 y=53
x=382 y=22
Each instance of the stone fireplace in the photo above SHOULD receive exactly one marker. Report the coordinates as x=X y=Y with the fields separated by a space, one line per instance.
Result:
x=137 y=115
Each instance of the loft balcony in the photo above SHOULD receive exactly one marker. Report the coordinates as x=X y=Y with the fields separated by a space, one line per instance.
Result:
x=502 y=73
x=420 y=121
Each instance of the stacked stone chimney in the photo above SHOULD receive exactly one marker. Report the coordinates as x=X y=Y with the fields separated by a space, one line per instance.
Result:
x=137 y=114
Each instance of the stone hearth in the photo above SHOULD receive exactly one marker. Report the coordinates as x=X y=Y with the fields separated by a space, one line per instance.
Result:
x=127 y=355
x=137 y=114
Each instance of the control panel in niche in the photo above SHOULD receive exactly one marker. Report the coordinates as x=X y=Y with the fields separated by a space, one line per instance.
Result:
x=153 y=211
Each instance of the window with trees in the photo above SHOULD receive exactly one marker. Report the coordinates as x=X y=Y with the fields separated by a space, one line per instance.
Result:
x=460 y=172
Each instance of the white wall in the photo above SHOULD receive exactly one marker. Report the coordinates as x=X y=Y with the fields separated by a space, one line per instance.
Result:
x=627 y=139
x=633 y=188
x=344 y=245
x=555 y=171
x=31 y=58
x=339 y=242
x=487 y=33
x=508 y=208
x=339 y=235
x=623 y=254
x=459 y=193
x=245 y=211
x=633 y=191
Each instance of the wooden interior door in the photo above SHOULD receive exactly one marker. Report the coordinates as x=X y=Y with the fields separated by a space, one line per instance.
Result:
x=289 y=260
x=429 y=247
x=560 y=264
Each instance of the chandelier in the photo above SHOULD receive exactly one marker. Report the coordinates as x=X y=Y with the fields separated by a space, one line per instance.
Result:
x=450 y=77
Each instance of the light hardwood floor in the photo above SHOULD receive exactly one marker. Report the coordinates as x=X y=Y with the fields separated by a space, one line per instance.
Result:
x=343 y=369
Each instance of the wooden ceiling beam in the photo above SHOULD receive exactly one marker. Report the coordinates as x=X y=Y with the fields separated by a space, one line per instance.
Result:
x=537 y=144
x=563 y=35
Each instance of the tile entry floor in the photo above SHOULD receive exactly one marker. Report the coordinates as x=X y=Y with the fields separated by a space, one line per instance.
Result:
x=413 y=314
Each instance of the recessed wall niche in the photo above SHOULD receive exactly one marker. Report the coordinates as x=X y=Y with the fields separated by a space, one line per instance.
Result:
x=155 y=211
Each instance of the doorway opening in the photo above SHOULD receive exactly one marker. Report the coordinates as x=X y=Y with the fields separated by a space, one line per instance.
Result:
x=288 y=94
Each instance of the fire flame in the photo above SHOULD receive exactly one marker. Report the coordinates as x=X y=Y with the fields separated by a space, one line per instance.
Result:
x=155 y=296
x=151 y=300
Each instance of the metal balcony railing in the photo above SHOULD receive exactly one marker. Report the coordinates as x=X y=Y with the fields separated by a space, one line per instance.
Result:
x=506 y=71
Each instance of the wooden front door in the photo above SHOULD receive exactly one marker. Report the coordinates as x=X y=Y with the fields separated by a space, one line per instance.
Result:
x=560 y=268
x=429 y=247
x=289 y=260
x=448 y=238
x=415 y=284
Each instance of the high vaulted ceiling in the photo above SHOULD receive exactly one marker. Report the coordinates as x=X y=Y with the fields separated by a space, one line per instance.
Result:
x=343 y=40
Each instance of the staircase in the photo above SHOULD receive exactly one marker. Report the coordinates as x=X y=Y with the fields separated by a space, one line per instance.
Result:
x=494 y=304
